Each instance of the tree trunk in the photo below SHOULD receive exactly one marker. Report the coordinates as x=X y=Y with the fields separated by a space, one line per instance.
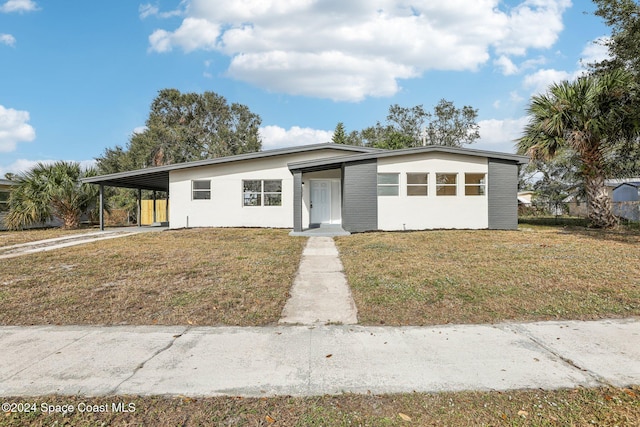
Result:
x=599 y=202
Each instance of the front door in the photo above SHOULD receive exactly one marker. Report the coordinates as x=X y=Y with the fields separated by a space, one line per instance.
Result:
x=320 y=202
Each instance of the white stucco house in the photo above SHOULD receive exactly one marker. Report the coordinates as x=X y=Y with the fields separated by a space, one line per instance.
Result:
x=358 y=188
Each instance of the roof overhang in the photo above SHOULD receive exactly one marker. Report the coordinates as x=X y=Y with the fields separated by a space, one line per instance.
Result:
x=335 y=162
x=157 y=178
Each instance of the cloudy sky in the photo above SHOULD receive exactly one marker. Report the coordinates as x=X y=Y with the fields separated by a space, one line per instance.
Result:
x=78 y=77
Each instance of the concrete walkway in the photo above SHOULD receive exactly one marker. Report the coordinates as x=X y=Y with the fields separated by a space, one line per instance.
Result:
x=71 y=240
x=304 y=360
x=320 y=293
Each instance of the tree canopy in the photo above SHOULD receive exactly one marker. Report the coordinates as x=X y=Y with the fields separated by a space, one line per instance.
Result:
x=407 y=127
x=50 y=191
x=184 y=127
x=623 y=17
x=591 y=116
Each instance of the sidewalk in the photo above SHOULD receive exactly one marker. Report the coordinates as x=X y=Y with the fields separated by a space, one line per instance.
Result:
x=316 y=360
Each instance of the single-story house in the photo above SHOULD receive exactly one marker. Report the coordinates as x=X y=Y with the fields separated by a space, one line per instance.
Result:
x=6 y=187
x=358 y=188
x=626 y=200
x=5 y=190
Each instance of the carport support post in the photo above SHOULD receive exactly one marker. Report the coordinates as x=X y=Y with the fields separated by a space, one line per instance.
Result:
x=101 y=207
x=166 y=209
x=154 y=206
x=139 y=207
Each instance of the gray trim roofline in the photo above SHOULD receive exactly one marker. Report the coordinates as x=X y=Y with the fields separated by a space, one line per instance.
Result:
x=7 y=182
x=157 y=178
x=313 y=164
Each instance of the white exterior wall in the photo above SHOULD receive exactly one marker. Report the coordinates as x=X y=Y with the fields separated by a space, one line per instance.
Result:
x=404 y=212
x=225 y=208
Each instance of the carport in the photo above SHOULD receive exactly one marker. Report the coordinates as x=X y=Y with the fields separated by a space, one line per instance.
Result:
x=152 y=179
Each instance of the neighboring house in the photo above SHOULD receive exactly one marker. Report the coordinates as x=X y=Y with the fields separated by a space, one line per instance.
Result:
x=5 y=190
x=361 y=189
x=626 y=200
x=524 y=198
x=577 y=205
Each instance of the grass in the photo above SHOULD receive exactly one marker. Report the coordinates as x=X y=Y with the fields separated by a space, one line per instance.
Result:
x=197 y=277
x=8 y=238
x=571 y=407
x=456 y=276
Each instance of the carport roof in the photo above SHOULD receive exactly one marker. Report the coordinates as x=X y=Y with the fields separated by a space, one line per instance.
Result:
x=157 y=178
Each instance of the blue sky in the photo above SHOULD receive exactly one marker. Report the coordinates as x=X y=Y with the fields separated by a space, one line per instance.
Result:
x=78 y=77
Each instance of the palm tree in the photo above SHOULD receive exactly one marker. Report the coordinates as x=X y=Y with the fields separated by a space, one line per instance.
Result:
x=590 y=116
x=50 y=191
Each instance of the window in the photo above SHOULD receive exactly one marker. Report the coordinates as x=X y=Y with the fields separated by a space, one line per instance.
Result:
x=474 y=184
x=4 y=201
x=417 y=184
x=262 y=192
x=201 y=190
x=388 y=184
x=446 y=184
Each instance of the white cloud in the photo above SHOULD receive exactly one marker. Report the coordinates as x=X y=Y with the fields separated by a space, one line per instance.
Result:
x=19 y=6
x=193 y=34
x=353 y=50
x=23 y=165
x=277 y=137
x=540 y=81
x=500 y=135
x=514 y=96
x=533 y=24
x=595 y=51
x=7 y=39
x=506 y=66
x=139 y=129
x=147 y=10
x=14 y=128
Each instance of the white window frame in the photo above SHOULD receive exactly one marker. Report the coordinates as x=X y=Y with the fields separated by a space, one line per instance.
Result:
x=195 y=190
x=261 y=194
x=454 y=185
x=482 y=187
x=395 y=185
x=425 y=185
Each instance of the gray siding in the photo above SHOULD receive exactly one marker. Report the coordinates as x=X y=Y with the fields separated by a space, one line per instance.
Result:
x=503 y=194
x=360 y=196
x=297 y=201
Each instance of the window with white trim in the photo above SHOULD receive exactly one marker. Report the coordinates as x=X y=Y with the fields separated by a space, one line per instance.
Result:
x=388 y=184
x=446 y=184
x=262 y=192
x=4 y=201
x=417 y=184
x=201 y=190
x=474 y=184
